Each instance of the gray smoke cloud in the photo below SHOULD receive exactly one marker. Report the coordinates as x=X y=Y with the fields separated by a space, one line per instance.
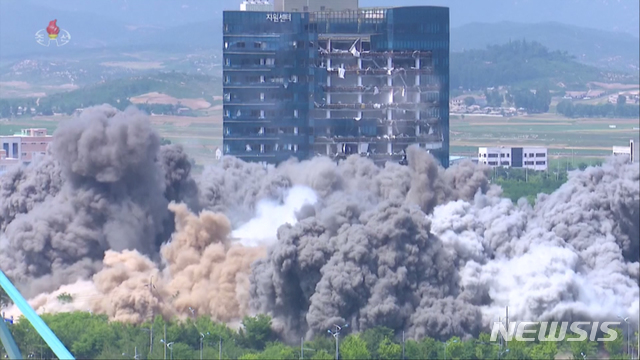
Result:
x=452 y=264
x=416 y=248
x=101 y=187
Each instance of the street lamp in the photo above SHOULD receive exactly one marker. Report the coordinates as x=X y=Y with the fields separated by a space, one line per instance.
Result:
x=202 y=343
x=136 y=356
x=445 y=348
x=336 y=334
x=150 y=331
x=168 y=345
x=502 y=352
x=628 y=333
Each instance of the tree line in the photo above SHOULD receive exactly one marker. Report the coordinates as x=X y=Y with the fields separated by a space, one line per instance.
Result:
x=90 y=336
x=621 y=109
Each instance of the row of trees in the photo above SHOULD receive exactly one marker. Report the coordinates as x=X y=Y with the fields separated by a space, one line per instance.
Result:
x=537 y=101
x=569 y=109
x=93 y=336
x=521 y=183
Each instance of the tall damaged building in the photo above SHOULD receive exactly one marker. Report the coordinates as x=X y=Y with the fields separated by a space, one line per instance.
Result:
x=329 y=78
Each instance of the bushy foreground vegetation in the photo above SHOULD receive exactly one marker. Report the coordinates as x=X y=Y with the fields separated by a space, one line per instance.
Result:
x=93 y=336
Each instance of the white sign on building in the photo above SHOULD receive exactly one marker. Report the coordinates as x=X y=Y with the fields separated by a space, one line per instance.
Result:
x=276 y=17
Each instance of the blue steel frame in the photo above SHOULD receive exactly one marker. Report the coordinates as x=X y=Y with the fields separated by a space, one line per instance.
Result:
x=47 y=335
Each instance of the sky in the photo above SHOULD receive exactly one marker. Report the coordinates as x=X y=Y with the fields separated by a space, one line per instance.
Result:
x=616 y=15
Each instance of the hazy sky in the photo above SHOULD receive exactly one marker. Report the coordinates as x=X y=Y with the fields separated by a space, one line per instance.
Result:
x=620 y=15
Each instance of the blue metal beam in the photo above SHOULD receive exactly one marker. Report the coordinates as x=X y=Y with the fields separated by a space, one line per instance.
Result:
x=41 y=327
x=8 y=342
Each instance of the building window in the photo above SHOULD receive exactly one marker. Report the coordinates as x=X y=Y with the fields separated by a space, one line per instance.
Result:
x=295 y=113
x=226 y=45
x=493 y=155
x=540 y=154
x=261 y=96
x=540 y=162
x=528 y=162
x=240 y=44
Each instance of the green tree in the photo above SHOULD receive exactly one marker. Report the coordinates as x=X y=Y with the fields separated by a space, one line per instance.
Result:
x=469 y=101
x=485 y=348
x=354 y=347
x=431 y=347
x=250 y=356
x=278 y=351
x=621 y=100
x=577 y=348
x=374 y=336
x=544 y=350
x=616 y=347
x=388 y=350
x=257 y=331
x=322 y=355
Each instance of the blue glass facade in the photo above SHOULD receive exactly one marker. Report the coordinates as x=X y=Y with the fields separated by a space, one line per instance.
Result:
x=371 y=81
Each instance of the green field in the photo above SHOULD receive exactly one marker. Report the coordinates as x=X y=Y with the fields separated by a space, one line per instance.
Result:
x=562 y=136
x=573 y=140
x=200 y=136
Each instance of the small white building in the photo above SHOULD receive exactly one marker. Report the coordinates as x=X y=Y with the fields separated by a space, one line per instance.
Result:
x=628 y=151
x=534 y=158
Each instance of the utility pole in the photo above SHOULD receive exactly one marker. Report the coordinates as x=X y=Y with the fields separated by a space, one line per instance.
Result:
x=165 y=344
x=336 y=334
x=220 y=349
x=506 y=341
x=402 y=345
x=151 y=339
x=302 y=348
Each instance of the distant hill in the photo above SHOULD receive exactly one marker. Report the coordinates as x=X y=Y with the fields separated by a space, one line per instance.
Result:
x=119 y=92
x=605 y=49
x=523 y=63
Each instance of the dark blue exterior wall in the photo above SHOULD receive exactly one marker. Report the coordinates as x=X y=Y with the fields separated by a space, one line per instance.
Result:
x=266 y=86
x=287 y=87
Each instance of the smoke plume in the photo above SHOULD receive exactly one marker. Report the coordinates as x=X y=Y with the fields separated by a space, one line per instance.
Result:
x=122 y=225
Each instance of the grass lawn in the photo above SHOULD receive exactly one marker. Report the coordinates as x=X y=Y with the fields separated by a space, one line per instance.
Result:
x=562 y=136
